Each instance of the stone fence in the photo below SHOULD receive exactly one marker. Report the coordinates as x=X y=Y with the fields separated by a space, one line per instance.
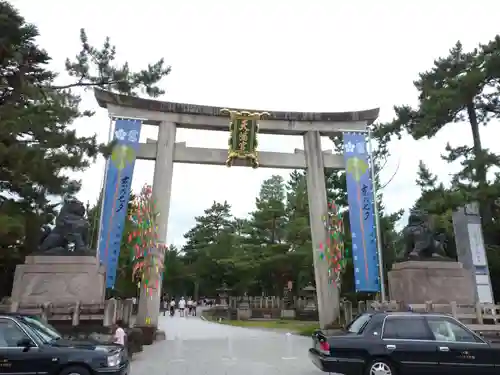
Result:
x=271 y=302
x=94 y=317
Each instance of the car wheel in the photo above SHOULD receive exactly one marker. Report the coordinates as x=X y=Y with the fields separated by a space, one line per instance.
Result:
x=75 y=370
x=380 y=367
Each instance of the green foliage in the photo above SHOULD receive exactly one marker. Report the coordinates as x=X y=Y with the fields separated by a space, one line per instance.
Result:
x=207 y=242
x=173 y=272
x=94 y=67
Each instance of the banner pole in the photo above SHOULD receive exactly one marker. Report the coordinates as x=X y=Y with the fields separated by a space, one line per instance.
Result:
x=377 y=221
x=101 y=193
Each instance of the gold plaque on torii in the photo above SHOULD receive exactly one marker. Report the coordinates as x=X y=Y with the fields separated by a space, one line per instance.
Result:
x=243 y=129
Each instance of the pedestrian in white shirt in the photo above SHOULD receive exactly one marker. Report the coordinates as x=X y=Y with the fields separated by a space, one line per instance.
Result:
x=165 y=306
x=172 y=307
x=190 y=306
x=119 y=334
x=182 y=306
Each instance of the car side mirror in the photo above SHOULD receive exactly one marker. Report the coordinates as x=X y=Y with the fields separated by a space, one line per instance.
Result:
x=25 y=343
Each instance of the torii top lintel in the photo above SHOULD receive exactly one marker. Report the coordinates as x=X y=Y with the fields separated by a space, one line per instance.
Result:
x=182 y=113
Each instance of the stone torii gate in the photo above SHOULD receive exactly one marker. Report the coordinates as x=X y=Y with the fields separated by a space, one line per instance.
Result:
x=311 y=126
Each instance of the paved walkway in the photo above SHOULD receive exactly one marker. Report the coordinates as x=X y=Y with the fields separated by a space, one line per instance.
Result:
x=197 y=347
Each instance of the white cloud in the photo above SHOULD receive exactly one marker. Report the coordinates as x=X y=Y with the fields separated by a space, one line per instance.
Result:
x=319 y=55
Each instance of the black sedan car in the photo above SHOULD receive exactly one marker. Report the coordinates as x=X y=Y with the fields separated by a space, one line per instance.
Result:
x=30 y=346
x=389 y=343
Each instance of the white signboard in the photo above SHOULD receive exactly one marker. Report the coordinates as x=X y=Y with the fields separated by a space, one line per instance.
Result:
x=484 y=293
x=477 y=244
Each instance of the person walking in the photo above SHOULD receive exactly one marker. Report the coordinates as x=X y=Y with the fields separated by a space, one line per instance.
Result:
x=165 y=305
x=190 y=305
x=172 y=307
x=194 y=308
x=182 y=306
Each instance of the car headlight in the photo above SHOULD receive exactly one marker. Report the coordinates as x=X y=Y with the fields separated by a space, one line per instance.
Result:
x=114 y=360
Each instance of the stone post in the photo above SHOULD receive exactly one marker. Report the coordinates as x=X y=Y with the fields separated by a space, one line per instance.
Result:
x=471 y=251
x=75 y=318
x=149 y=306
x=109 y=312
x=127 y=312
x=14 y=306
x=347 y=312
x=45 y=312
x=328 y=295
x=361 y=307
x=119 y=309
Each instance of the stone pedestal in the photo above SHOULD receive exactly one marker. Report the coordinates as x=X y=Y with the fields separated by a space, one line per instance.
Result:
x=148 y=334
x=415 y=282
x=59 y=279
x=243 y=313
x=287 y=314
x=310 y=306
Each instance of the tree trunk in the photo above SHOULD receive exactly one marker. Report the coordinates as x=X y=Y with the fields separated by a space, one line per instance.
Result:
x=481 y=171
x=196 y=289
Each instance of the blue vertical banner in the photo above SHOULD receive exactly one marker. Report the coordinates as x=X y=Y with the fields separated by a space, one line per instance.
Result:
x=119 y=171
x=361 y=213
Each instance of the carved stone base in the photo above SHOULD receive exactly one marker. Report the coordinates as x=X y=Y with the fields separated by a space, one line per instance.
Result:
x=59 y=279
x=442 y=282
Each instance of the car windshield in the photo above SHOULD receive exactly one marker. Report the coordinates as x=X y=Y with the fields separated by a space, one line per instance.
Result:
x=44 y=330
x=357 y=325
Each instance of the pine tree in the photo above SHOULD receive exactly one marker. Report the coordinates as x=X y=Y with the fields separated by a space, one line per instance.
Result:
x=268 y=219
x=426 y=180
x=208 y=242
x=267 y=237
x=298 y=231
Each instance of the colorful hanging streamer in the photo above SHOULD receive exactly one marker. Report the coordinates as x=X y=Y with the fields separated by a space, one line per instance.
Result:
x=334 y=251
x=146 y=252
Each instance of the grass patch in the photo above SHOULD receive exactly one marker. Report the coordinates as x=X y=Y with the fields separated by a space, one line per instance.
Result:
x=293 y=326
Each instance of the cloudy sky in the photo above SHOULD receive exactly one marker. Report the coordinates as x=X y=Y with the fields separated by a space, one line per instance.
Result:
x=315 y=55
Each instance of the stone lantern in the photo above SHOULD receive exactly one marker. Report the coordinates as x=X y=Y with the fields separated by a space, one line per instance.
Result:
x=309 y=293
x=243 y=311
x=223 y=293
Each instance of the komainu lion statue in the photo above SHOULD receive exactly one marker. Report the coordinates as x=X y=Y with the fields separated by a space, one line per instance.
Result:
x=421 y=243
x=70 y=233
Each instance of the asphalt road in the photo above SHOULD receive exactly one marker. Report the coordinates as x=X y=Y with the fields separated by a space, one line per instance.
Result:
x=197 y=347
